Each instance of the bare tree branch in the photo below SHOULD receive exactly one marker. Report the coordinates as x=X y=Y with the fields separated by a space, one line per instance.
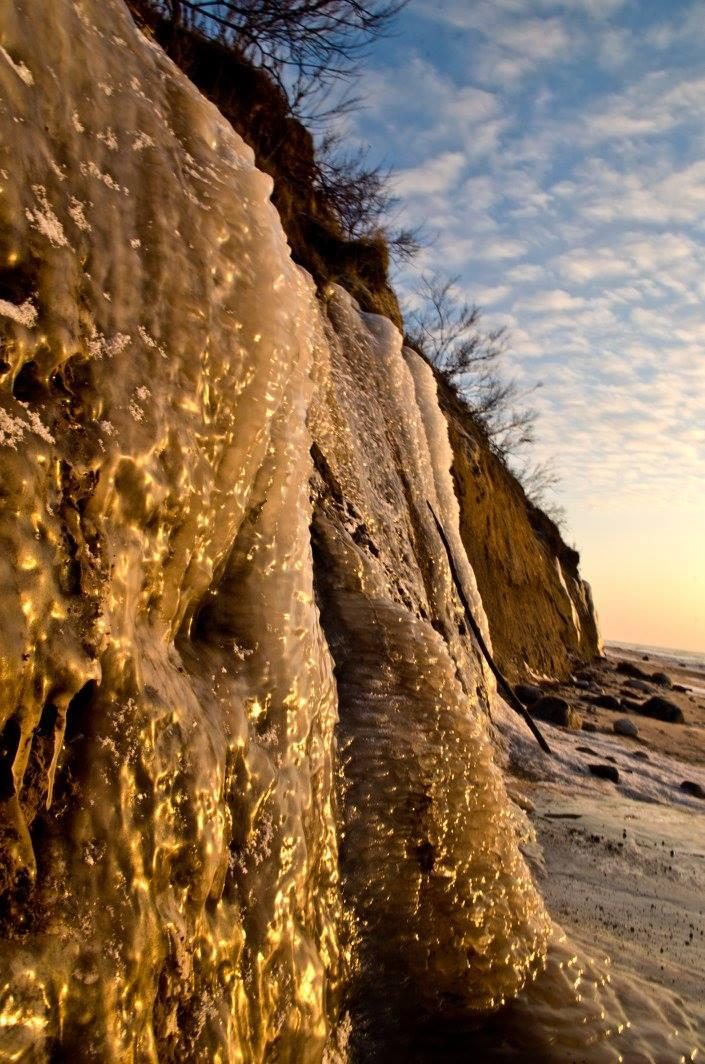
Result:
x=538 y=480
x=304 y=44
x=446 y=329
x=359 y=196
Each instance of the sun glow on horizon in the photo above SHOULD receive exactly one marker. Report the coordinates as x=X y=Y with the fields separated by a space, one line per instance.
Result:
x=648 y=574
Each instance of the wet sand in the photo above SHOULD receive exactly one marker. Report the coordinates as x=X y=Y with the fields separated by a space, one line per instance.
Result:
x=621 y=864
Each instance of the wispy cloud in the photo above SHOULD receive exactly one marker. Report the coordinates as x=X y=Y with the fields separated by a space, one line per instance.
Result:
x=437 y=174
x=556 y=154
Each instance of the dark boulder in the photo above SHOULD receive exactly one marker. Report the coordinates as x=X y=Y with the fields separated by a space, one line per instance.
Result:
x=606 y=701
x=588 y=726
x=625 y=726
x=681 y=689
x=527 y=693
x=555 y=710
x=605 y=772
x=628 y=668
x=662 y=709
x=638 y=685
x=691 y=787
x=662 y=679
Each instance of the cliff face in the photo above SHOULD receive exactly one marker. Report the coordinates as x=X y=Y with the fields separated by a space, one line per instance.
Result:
x=245 y=766
x=539 y=609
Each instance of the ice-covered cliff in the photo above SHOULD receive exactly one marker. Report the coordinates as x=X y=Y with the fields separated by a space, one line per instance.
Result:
x=171 y=848
x=539 y=610
x=246 y=781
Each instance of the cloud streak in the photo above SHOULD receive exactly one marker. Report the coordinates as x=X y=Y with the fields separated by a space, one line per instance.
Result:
x=555 y=150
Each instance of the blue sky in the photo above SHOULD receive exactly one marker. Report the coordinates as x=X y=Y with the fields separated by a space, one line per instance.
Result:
x=556 y=152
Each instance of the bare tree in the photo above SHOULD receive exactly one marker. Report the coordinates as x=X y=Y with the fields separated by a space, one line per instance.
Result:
x=357 y=192
x=538 y=480
x=500 y=407
x=447 y=330
x=359 y=195
x=304 y=44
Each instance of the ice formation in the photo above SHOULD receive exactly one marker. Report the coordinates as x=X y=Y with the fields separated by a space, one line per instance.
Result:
x=246 y=776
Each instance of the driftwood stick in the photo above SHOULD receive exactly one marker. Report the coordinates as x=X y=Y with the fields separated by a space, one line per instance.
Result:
x=502 y=683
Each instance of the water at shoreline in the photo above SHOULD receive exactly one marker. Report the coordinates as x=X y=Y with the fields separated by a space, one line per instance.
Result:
x=687 y=659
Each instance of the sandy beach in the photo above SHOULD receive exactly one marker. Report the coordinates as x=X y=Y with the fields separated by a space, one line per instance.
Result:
x=622 y=864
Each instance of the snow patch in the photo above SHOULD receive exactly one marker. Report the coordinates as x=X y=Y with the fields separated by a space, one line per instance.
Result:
x=76 y=211
x=23 y=72
x=44 y=220
x=23 y=313
x=36 y=425
x=13 y=429
x=109 y=139
x=99 y=345
x=90 y=169
x=56 y=169
x=141 y=141
x=655 y=780
x=136 y=410
x=573 y=612
x=150 y=341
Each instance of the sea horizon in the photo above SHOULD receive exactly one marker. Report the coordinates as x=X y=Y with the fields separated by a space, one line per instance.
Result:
x=688 y=658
